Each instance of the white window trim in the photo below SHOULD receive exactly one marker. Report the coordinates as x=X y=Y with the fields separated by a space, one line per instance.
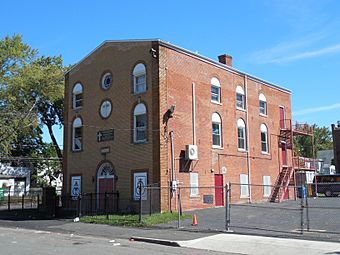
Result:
x=264 y=129
x=263 y=99
x=216 y=119
x=194 y=187
x=242 y=124
x=77 y=123
x=216 y=83
x=266 y=186
x=140 y=109
x=77 y=90
x=138 y=71
x=246 y=184
x=243 y=108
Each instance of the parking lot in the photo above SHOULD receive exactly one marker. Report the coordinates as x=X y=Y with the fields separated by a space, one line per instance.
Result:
x=318 y=218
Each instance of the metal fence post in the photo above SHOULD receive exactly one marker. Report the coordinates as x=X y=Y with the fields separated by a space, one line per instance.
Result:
x=105 y=205
x=227 y=204
x=9 y=199
x=140 y=202
x=38 y=201
x=150 y=192
x=301 y=209
x=179 y=207
x=307 y=213
x=79 y=199
x=229 y=192
x=22 y=202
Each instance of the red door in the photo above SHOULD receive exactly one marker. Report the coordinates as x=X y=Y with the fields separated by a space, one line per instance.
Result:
x=284 y=153
x=105 y=185
x=219 y=190
x=282 y=117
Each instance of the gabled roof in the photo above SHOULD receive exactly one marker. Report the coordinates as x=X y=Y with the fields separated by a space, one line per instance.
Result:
x=190 y=53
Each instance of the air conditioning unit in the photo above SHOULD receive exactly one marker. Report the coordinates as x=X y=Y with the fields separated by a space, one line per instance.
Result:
x=191 y=152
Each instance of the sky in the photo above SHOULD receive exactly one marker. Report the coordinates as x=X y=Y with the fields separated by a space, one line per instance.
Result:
x=291 y=43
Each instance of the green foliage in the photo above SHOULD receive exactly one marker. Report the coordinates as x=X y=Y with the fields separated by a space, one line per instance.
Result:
x=31 y=95
x=322 y=141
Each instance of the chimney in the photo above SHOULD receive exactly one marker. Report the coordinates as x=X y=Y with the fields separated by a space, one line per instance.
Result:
x=226 y=59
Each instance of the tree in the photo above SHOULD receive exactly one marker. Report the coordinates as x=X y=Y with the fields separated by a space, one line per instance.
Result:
x=15 y=115
x=31 y=95
x=322 y=141
x=43 y=83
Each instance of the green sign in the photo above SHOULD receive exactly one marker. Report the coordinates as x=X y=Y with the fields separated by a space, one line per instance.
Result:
x=1 y=194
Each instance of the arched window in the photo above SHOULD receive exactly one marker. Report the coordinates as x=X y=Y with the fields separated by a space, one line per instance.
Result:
x=139 y=78
x=264 y=139
x=216 y=130
x=139 y=121
x=240 y=98
x=77 y=96
x=215 y=90
x=77 y=134
x=263 y=104
x=241 y=134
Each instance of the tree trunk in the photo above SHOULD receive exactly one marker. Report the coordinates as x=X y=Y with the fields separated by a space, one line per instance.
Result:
x=55 y=144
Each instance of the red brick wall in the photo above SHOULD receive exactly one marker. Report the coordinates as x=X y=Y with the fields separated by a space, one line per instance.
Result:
x=182 y=70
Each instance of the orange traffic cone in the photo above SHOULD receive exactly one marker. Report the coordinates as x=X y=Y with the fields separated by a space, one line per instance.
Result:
x=194 y=220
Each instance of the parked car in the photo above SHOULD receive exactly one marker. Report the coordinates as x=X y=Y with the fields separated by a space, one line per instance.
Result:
x=329 y=185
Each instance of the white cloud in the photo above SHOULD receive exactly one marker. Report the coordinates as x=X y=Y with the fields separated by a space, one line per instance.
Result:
x=317 y=109
x=306 y=54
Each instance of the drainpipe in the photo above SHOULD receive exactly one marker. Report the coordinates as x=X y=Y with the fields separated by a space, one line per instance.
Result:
x=193 y=113
x=173 y=175
x=247 y=130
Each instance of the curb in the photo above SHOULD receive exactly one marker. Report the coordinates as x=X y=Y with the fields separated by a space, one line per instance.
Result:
x=155 y=241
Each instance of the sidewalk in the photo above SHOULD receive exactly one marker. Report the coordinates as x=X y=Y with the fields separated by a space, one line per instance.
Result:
x=256 y=245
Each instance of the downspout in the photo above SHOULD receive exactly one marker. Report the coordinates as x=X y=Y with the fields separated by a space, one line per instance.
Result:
x=193 y=113
x=247 y=130
x=173 y=176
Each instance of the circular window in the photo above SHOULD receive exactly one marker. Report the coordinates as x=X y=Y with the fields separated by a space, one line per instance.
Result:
x=105 y=109
x=106 y=81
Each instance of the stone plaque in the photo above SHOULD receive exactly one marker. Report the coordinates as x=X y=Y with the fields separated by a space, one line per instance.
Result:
x=105 y=135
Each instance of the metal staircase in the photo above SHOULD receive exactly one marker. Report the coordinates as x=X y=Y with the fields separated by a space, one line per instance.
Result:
x=280 y=189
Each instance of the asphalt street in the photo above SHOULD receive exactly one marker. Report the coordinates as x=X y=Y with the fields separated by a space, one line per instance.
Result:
x=37 y=242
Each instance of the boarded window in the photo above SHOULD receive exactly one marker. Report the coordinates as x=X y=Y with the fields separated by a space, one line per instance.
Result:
x=194 y=184
x=244 y=192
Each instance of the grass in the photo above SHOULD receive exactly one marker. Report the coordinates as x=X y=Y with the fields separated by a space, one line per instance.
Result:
x=132 y=220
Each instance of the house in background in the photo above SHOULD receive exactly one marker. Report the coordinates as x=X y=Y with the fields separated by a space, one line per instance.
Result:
x=325 y=158
x=150 y=112
x=15 y=179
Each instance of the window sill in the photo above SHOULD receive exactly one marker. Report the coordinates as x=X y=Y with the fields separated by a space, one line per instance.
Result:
x=241 y=150
x=264 y=115
x=217 y=147
x=265 y=153
x=244 y=197
x=215 y=102
x=241 y=109
x=139 y=93
x=195 y=196
x=77 y=109
x=76 y=151
x=140 y=142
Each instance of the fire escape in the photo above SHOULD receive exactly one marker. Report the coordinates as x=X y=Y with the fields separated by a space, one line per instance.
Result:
x=289 y=165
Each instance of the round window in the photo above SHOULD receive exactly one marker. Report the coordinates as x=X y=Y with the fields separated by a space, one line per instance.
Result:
x=105 y=109
x=106 y=81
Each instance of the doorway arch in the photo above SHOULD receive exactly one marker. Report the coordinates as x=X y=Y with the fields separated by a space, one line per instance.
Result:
x=106 y=185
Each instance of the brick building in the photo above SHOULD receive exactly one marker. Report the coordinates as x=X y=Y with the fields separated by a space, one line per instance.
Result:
x=152 y=112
